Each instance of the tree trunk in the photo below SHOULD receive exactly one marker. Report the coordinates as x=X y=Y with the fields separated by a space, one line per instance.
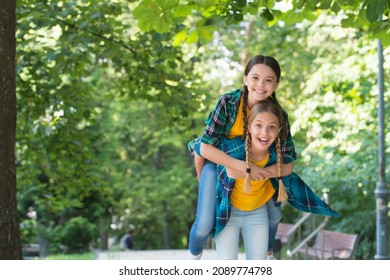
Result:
x=104 y=240
x=9 y=221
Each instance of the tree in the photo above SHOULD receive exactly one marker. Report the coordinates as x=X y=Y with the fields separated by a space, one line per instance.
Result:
x=76 y=61
x=9 y=220
x=198 y=18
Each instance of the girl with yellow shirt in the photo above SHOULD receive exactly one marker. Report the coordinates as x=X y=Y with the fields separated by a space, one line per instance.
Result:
x=248 y=198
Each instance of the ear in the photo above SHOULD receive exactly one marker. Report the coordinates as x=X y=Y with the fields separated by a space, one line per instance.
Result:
x=276 y=86
x=245 y=80
x=249 y=128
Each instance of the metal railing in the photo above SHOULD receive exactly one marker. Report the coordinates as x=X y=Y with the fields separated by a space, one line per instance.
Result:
x=301 y=243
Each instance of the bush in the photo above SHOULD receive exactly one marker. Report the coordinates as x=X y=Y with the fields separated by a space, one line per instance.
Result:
x=77 y=235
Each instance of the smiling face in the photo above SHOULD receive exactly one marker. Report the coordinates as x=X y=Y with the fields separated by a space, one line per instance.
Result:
x=263 y=129
x=261 y=82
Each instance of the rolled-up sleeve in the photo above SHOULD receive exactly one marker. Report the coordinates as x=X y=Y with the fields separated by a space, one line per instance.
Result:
x=287 y=146
x=216 y=127
x=216 y=123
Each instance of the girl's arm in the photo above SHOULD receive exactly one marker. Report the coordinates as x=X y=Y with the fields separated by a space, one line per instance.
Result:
x=237 y=168
x=262 y=173
x=199 y=162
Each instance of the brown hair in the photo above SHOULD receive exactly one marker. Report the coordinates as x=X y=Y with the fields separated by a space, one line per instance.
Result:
x=270 y=106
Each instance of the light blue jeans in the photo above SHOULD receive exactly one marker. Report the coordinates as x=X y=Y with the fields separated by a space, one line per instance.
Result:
x=253 y=225
x=205 y=213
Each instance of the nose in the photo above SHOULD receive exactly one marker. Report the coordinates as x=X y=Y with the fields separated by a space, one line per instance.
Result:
x=264 y=131
x=260 y=82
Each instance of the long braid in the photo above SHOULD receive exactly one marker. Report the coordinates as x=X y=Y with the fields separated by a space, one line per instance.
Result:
x=247 y=188
x=243 y=108
x=282 y=195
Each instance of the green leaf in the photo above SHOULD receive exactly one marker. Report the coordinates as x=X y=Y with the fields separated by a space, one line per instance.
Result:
x=238 y=17
x=205 y=33
x=155 y=14
x=373 y=10
x=267 y=15
x=291 y=17
x=162 y=24
x=309 y=15
x=146 y=12
x=209 y=12
x=167 y=4
x=276 y=16
x=253 y=9
x=183 y=10
x=193 y=37
x=180 y=37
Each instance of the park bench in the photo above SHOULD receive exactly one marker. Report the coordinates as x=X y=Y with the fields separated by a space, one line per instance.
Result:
x=283 y=233
x=319 y=244
x=30 y=251
x=331 y=245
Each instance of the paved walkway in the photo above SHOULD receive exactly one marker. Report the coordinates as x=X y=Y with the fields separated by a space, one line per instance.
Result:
x=208 y=254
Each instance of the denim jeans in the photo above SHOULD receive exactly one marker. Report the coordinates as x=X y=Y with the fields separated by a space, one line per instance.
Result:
x=253 y=225
x=274 y=217
x=205 y=213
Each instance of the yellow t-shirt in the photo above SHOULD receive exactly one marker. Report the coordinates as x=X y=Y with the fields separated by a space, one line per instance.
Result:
x=262 y=191
x=238 y=126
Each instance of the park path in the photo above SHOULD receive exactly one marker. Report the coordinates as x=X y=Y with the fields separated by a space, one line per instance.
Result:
x=208 y=254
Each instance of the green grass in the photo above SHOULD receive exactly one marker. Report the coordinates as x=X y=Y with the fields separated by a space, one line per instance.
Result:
x=84 y=256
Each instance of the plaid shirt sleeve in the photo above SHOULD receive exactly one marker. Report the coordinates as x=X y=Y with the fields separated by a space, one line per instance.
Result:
x=220 y=120
x=287 y=146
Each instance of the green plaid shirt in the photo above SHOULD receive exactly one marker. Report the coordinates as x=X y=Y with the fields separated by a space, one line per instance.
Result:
x=300 y=196
x=221 y=120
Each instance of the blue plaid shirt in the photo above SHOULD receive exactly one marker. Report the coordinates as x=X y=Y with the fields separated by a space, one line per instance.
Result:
x=300 y=196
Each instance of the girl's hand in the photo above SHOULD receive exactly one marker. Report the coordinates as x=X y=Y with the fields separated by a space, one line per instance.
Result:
x=258 y=173
x=235 y=174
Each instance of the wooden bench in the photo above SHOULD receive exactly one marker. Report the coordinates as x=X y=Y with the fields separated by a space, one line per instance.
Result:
x=30 y=251
x=283 y=232
x=331 y=245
